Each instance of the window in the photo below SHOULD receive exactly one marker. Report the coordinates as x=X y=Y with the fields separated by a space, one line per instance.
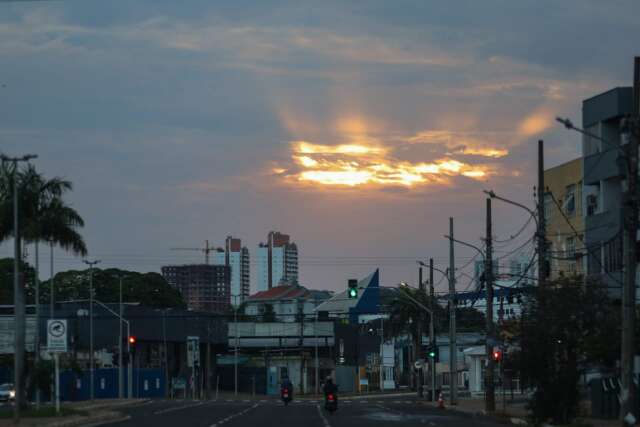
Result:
x=570 y=248
x=570 y=200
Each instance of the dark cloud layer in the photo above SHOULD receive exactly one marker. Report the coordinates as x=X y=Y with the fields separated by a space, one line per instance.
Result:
x=170 y=117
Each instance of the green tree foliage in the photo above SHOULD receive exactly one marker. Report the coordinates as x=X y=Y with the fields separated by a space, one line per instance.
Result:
x=565 y=327
x=149 y=289
x=269 y=314
x=6 y=280
x=44 y=216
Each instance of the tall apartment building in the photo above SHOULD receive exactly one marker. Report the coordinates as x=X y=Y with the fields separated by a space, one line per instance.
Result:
x=277 y=262
x=564 y=217
x=203 y=287
x=236 y=257
x=603 y=178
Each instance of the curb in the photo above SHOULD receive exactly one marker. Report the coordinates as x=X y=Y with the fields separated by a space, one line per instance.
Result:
x=96 y=420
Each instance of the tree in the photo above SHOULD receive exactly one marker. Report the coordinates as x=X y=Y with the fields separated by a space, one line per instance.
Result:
x=44 y=216
x=565 y=326
x=269 y=315
x=6 y=280
x=148 y=289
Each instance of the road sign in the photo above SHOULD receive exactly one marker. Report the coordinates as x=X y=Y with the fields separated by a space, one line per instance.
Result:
x=193 y=351
x=56 y=335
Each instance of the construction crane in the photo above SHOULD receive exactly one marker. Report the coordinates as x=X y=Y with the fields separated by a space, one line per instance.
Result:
x=206 y=250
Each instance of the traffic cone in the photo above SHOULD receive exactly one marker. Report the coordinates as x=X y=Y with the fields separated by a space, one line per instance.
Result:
x=440 y=401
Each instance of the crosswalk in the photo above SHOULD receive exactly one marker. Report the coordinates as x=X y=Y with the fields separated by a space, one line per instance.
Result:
x=278 y=402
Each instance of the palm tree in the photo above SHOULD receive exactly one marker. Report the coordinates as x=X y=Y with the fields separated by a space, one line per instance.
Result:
x=43 y=216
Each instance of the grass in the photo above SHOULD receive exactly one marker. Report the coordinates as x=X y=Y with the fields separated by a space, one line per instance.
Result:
x=43 y=412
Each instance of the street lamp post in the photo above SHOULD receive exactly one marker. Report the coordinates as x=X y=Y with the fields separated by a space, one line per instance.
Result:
x=18 y=294
x=432 y=331
x=91 y=362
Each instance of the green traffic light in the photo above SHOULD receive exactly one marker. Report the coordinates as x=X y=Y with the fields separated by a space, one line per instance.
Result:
x=432 y=354
x=353 y=293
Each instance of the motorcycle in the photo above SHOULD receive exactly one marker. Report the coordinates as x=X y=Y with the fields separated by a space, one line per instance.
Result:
x=286 y=396
x=331 y=403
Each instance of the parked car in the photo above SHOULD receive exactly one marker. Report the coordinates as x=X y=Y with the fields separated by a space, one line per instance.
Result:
x=7 y=392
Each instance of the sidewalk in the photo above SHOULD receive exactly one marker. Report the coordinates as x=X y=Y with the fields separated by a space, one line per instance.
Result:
x=515 y=413
x=84 y=413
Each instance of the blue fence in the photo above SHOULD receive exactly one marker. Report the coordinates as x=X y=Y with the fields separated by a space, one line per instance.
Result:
x=146 y=383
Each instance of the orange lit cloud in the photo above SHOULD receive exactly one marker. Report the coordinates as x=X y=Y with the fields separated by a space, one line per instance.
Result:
x=356 y=165
x=536 y=123
x=467 y=143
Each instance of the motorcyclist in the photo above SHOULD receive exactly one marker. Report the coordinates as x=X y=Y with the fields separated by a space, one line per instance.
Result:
x=286 y=384
x=330 y=388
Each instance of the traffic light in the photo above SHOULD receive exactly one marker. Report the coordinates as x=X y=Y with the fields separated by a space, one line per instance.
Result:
x=132 y=344
x=497 y=355
x=353 y=288
x=433 y=353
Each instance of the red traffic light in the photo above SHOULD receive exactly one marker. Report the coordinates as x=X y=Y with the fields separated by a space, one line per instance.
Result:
x=132 y=340
x=497 y=355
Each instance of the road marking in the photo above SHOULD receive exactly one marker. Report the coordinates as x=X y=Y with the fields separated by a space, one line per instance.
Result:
x=232 y=416
x=179 y=408
x=324 y=419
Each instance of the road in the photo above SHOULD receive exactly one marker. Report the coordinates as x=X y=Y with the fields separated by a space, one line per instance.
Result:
x=389 y=412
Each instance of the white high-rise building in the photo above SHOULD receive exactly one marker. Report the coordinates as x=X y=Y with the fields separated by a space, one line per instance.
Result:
x=277 y=262
x=237 y=257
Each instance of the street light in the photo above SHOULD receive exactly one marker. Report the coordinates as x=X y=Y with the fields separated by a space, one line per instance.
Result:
x=91 y=368
x=18 y=295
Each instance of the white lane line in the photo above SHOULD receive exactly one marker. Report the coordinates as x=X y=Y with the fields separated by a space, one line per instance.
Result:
x=324 y=419
x=232 y=416
x=179 y=408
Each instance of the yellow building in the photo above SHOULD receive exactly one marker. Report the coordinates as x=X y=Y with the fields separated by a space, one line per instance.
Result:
x=564 y=216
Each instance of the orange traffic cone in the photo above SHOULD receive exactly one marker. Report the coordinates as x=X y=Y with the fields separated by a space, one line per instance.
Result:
x=440 y=401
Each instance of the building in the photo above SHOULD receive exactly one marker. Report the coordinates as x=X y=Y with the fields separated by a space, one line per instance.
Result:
x=236 y=257
x=285 y=303
x=603 y=177
x=203 y=287
x=564 y=218
x=277 y=261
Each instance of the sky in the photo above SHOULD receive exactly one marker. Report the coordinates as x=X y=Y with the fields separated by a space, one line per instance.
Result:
x=358 y=128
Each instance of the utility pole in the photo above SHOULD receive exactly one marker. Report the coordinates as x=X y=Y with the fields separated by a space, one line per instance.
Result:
x=628 y=392
x=120 y=367
x=432 y=332
x=19 y=315
x=51 y=287
x=453 y=354
x=542 y=246
x=490 y=398
x=419 y=348
x=37 y=331
x=91 y=363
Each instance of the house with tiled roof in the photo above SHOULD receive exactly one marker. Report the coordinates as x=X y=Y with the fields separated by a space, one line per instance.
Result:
x=285 y=303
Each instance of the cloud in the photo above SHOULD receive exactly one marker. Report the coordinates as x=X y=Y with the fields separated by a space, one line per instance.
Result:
x=345 y=165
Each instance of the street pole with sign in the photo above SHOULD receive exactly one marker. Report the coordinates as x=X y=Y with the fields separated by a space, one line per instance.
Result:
x=56 y=344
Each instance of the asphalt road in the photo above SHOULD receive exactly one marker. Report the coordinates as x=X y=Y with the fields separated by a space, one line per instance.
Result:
x=300 y=413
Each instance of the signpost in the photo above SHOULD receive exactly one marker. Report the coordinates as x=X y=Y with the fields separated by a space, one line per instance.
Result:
x=56 y=344
x=193 y=360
